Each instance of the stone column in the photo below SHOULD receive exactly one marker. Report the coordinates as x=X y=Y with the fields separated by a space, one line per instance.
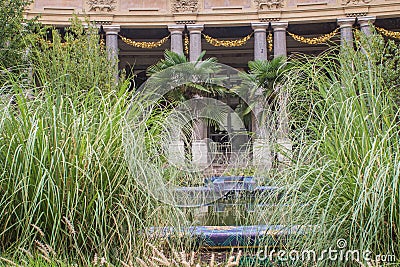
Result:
x=176 y=38
x=195 y=41
x=282 y=135
x=199 y=144
x=279 y=38
x=346 y=30
x=262 y=156
x=260 y=40
x=176 y=149
x=365 y=24
x=112 y=44
x=260 y=53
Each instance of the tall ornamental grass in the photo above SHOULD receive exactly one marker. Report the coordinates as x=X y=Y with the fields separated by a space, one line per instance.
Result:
x=344 y=178
x=65 y=189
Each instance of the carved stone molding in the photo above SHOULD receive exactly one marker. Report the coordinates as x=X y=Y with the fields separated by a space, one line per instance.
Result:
x=355 y=2
x=353 y=15
x=102 y=5
x=185 y=22
x=99 y=23
x=269 y=4
x=185 y=6
x=271 y=19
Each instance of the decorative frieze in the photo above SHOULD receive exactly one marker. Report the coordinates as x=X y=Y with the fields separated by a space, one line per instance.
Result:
x=355 y=2
x=102 y=5
x=269 y=4
x=184 y=6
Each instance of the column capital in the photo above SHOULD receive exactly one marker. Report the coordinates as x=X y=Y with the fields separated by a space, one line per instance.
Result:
x=346 y=22
x=195 y=28
x=259 y=26
x=112 y=29
x=176 y=28
x=279 y=25
x=364 y=21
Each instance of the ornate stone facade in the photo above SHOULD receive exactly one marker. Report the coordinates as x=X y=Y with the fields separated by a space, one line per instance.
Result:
x=269 y=4
x=184 y=6
x=102 y=5
x=159 y=13
x=355 y=2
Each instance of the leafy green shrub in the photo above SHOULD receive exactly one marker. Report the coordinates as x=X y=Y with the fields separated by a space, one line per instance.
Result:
x=12 y=32
x=75 y=60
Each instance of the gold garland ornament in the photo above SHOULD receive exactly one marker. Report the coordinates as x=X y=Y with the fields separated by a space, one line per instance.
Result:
x=391 y=34
x=356 y=34
x=145 y=45
x=102 y=42
x=315 y=40
x=270 y=42
x=227 y=43
x=186 y=44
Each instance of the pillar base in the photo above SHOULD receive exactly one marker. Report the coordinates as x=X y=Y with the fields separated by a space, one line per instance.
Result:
x=285 y=145
x=199 y=153
x=262 y=157
x=176 y=153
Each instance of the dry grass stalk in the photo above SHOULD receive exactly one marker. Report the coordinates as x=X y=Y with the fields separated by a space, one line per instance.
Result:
x=369 y=263
x=45 y=258
x=141 y=262
x=103 y=261
x=8 y=261
x=26 y=252
x=37 y=228
x=95 y=259
x=42 y=248
x=129 y=264
x=181 y=260
x=70 y=226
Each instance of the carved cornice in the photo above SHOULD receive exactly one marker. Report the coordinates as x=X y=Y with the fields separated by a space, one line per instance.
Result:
x=102 y=5
x=185 y=6
x=355 y=2
x=269 y=19
x=353 y=15
x=185 y=22
x=268 y=4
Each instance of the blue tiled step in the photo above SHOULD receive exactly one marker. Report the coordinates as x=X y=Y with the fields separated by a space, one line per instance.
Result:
x=218 y=237
x=226 y=189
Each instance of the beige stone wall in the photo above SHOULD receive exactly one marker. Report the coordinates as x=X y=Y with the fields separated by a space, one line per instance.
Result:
x=299 y=3
x=58 y=4
x=215 y=4
x=144 y=5
x=159 y=13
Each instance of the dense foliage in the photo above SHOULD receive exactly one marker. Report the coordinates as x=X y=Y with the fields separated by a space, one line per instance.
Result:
x=68 y=194
x=65 y=188
x=12 y=32
x=345 y=176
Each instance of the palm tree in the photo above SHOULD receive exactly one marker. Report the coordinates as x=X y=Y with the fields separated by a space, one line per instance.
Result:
x=264 y=76
x=182 y=80
x=179 y=65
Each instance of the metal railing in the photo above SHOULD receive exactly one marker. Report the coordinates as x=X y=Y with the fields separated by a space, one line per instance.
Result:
x=222 y=154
